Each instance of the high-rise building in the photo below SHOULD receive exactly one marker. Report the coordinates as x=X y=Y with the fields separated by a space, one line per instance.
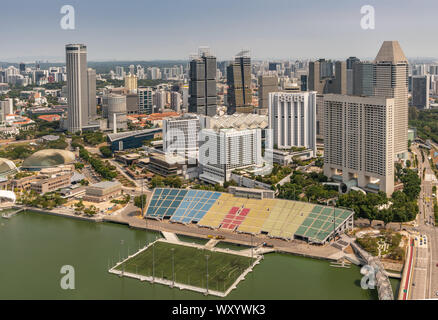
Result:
x=391 y=81
x=420 y=91
x=359 y=141
x=239 y=85
x=92 y=103
x=363 y=79
x=292 y=119
x=351 y=61
x=114 y=106
x=180 y=136
x=202 y=84
x=322 y=79
x=77 y=87
x=6 y=107
x=131 y=82
x=22 y=67
x=145 y=100
x=175 y=101
x=226 y=150
x=267 y=84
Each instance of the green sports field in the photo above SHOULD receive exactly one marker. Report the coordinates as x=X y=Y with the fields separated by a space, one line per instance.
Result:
x=190 y=265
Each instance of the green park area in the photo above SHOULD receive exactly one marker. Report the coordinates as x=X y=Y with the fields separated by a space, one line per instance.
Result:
x=189 y=265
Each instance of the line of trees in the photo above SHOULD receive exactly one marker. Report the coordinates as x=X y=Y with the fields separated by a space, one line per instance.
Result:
x=401 y=207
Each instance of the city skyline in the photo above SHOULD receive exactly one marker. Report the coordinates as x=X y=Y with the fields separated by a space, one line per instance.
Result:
x=273 y=30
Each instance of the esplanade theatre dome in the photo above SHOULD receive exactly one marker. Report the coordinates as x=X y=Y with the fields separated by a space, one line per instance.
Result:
x=7 y=167
x=48 y=158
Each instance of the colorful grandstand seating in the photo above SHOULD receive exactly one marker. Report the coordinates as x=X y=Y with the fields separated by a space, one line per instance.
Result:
x=276 y=217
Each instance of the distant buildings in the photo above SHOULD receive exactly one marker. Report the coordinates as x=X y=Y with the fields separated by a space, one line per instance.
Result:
x=420 y=91
x=323 y=80
x=239 y=85
x=292 y=119
x=359 y=141
x=202 y=84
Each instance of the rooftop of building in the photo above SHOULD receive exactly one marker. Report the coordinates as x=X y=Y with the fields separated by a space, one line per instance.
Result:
x=106 y=184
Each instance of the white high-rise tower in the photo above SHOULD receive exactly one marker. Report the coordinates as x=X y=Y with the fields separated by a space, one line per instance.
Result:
x=77 y=88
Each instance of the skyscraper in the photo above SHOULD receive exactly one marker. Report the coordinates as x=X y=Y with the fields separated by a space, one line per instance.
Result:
x=267 y=84
x=292 y=118
x=391 y=81
x=420 y=91
x=363 y=77
x=323 y=80
x=202 y=84
x=239 y=84
x=77 y=89
x=358 y=141
x=91 y=83
x=145 y=100
x=131 y=82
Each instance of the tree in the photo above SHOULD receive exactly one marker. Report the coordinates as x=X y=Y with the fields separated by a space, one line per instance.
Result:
x=157 y=182
x=140 y=202
x=106 y=151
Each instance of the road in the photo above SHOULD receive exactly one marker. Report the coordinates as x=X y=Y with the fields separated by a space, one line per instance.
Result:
x=425 y=272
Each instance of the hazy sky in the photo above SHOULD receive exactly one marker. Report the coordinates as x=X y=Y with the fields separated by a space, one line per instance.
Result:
x=173 y=29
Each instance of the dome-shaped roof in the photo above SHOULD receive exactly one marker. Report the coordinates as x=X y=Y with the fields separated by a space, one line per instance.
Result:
x=7 y=167
x=49 y=158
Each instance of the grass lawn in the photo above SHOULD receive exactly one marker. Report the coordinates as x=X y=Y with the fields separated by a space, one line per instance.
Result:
x=190 y=265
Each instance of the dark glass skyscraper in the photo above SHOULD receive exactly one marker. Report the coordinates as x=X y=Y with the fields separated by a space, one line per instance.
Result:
x=239 y=85
x=202 y=85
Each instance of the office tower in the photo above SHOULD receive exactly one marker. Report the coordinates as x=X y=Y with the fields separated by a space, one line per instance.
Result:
x=202 y=84
x=420 y=91
x=359 y=142
x=131 y=82
x=175 y=101
x=267 y=84
x=363 y=79
x=180 y=136
x=226 y=150
x=292 y=119
x=120 y=72
x=77 y=80
x=145 y=100
x=22 y=67
x=184 y=90
x=320 y=118
x=160 y=99
x=239 y=84
x=391 y=81
x=351 y=61
x=273 y=66
x=6 y=107
x=132 y=103
x=323 y=80
x=91 y=84
x=303 y=80
x=114 y=106
x=131 y=69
